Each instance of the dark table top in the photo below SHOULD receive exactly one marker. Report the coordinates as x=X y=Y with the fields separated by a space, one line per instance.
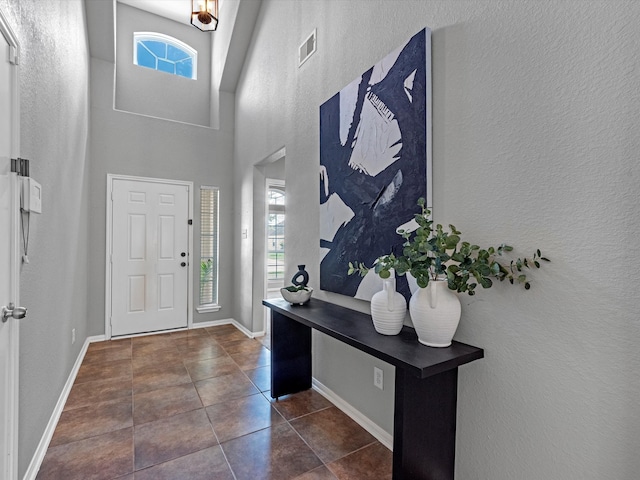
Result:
x=356 y=329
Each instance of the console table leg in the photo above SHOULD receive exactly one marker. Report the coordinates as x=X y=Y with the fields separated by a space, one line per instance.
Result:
x=424 y=437
x=290 y=356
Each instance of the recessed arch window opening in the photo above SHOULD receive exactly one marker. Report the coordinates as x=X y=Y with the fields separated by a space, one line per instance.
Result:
x=165 y=54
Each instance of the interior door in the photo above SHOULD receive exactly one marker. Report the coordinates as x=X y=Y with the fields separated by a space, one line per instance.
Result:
x=9 y=338
x=150 y=238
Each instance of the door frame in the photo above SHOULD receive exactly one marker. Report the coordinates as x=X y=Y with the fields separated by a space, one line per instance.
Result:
x=14 y=325
x=108 y=266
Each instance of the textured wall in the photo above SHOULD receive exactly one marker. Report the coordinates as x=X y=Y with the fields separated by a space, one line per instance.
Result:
x=535 y=112
x=145 y=91
x=54 y=84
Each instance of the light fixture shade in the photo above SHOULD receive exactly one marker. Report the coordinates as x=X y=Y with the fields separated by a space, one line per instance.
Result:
x=204 y=14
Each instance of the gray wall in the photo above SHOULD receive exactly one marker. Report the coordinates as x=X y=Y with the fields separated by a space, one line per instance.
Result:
x=145 y=91
x=128 y=144
x=54 y=84
x=535 y=109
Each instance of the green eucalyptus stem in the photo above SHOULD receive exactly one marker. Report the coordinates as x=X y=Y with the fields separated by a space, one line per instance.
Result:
x=433 y=252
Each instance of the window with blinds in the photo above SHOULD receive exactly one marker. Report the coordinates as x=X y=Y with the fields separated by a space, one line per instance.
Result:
x=208 y=245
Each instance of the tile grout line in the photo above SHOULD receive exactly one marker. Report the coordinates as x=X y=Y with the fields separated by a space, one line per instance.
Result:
x=181 y=360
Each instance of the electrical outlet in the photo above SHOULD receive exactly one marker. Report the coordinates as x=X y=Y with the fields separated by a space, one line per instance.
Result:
x=378 y=378
x=73 y=336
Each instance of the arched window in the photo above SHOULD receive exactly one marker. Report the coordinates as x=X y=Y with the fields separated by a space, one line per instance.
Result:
x=165 y=54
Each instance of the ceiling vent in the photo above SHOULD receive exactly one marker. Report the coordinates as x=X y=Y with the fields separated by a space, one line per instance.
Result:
x=307 y=48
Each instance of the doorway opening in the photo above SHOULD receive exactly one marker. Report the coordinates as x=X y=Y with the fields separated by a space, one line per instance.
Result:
x=268 y=249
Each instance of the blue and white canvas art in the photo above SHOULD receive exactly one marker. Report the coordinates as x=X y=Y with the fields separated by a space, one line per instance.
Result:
x=375 y=163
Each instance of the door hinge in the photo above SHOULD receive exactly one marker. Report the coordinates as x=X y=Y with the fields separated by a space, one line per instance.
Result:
x=20 y=166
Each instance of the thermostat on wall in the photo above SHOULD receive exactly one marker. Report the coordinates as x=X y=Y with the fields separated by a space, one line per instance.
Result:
x=31 y=195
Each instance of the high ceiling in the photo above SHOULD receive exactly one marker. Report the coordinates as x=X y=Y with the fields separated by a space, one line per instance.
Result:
x=177 y=10
x=231 y=40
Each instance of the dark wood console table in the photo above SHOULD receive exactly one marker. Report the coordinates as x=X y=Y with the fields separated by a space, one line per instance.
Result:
x=424 y=426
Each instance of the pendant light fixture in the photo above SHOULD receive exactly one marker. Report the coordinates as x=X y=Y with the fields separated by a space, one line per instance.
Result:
x=204 y=14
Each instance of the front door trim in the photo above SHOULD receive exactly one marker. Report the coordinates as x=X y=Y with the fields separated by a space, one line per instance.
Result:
x=109 y=247
x=14 y=326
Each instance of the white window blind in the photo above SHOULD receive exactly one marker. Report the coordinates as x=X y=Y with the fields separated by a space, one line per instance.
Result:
x=208 y=245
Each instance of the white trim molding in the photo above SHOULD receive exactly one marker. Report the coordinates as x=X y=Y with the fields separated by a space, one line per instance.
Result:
x=380 y=434
x=11 y=230
x=207 y=309
x=229 y=321
x=109 y=247
x=41 y=450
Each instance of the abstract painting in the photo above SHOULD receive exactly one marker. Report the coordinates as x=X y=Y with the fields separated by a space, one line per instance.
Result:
x=375 y=163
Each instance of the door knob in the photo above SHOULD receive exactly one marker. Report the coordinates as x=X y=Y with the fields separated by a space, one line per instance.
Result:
x=14 y=312
x=183 y=264
x=183 y=254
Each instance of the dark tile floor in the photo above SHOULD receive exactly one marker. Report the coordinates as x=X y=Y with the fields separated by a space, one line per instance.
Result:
x=195 y=405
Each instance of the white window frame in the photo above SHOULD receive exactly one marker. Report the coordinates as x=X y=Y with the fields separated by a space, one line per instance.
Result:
x=161 y=37
x=272 y=184
x=214 y=306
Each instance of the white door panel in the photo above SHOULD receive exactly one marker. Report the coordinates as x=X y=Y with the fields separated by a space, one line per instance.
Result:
x=149 y=274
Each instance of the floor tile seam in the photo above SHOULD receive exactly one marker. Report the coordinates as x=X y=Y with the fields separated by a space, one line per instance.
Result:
x=325 y=463
x=352 y=452
x=164 y=368
x=174 y=415
x=252 y=382
x=123 y=378
x=311 y=413
x=181 y=456
x=108 y=432
x=328 y=462
x=199 y=360
x=248 y=433
x=126 y=352
x=168 y=416
x=308 y=445
x=157 y=351
x=172 y=458
x=239 y=397
x=326 y=408
x=151 y=368
x=91 y=363
x=163 y=386
x=96 y=404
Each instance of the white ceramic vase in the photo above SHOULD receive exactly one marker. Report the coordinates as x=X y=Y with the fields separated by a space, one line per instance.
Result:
x=435 y=313
x=388 y=308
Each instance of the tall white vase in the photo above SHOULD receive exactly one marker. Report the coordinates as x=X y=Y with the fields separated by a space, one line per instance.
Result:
x=388 y=308
x=435 y=313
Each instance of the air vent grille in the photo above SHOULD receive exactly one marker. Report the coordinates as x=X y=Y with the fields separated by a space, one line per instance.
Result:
x=307 y=48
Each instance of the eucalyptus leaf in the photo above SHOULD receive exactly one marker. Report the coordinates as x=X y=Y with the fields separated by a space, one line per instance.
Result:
x=430 y=251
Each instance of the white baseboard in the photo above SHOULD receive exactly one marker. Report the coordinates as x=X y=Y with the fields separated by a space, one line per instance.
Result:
x=381 y=435
x=228 y=321
x=41 y=450
x=213 y=323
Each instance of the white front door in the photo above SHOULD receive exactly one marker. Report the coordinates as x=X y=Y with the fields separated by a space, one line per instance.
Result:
x=9 y=336
x=150 y=255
